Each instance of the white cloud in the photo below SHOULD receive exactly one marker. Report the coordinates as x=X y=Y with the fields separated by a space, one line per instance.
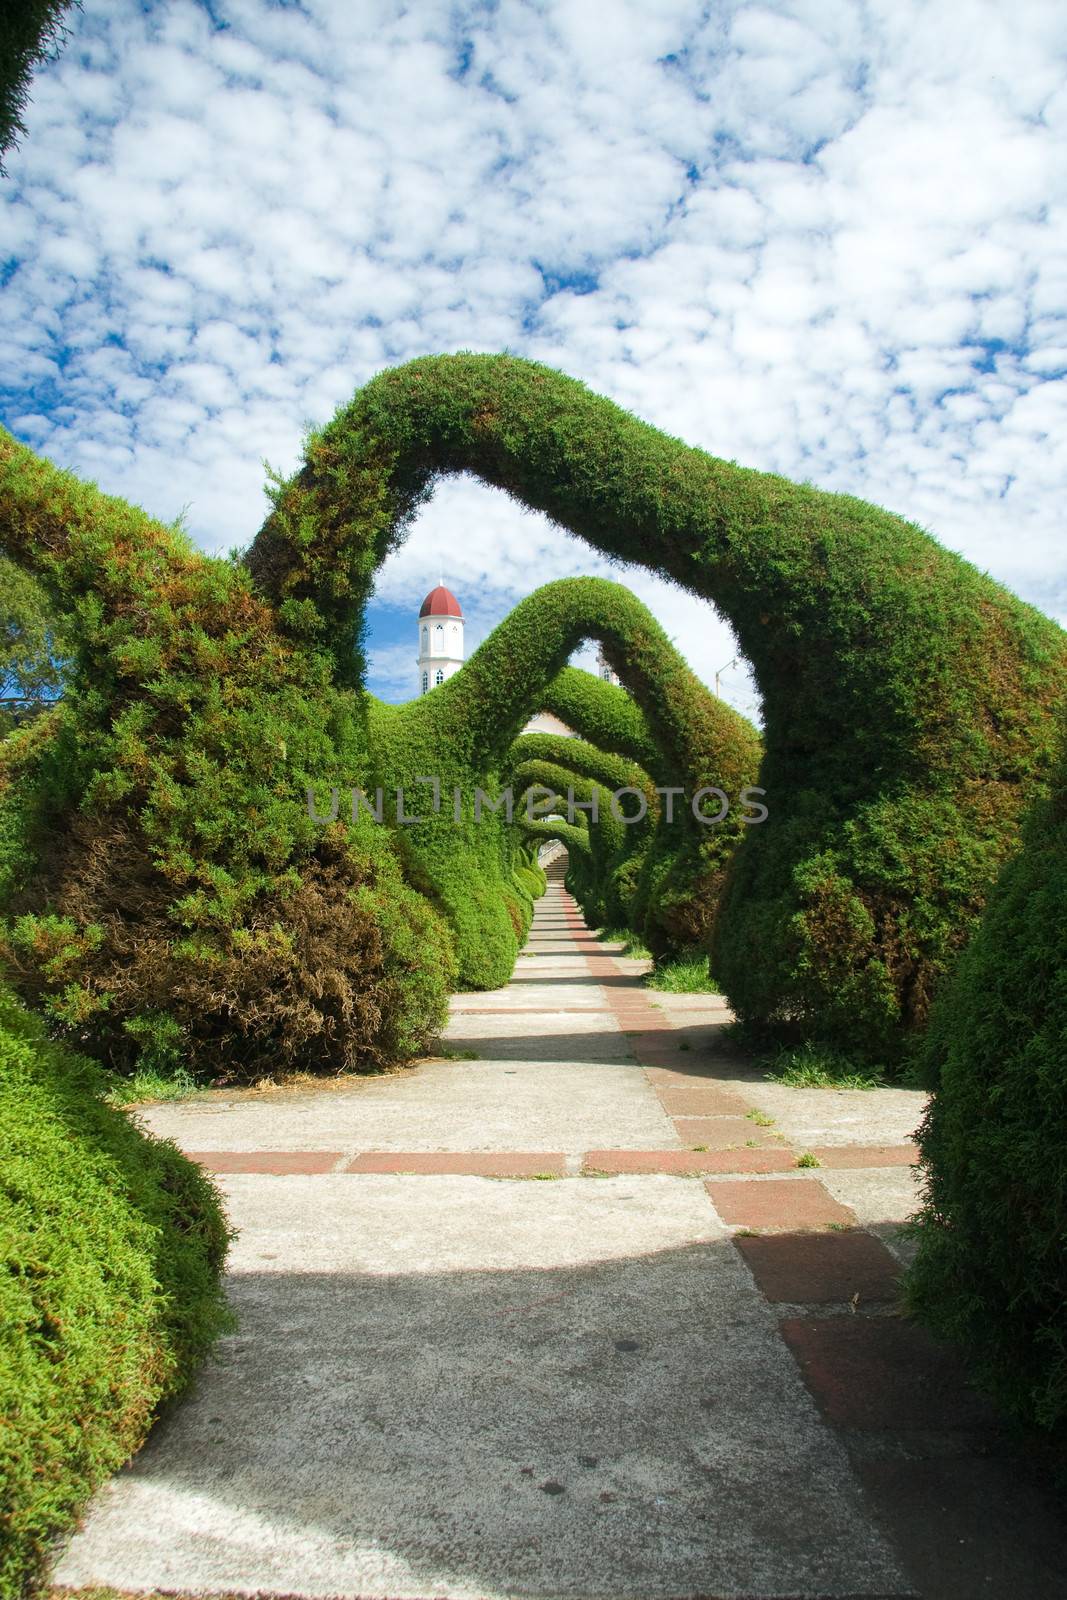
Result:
x=816 y=238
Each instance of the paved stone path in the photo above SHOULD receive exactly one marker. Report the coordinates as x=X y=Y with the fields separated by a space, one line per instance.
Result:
x=561 y=1315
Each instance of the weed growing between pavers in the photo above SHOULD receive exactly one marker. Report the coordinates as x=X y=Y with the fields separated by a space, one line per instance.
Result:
x=991 y=1270
x=113 y=1245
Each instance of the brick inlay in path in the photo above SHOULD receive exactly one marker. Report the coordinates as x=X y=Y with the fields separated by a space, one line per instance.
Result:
x=688 y=1162
x=780 y=1204
x=883 y=1373
x=272 y=1163
x=821 y=1268
x=474 y=1164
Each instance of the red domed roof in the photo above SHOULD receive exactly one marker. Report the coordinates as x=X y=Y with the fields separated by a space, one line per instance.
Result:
x=441 y=602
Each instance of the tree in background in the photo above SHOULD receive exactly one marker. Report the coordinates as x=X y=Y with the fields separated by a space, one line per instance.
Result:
x=31 y=31
x=32 y=644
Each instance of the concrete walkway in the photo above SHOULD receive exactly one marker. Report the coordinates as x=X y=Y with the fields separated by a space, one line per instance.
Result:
x=561 y=1315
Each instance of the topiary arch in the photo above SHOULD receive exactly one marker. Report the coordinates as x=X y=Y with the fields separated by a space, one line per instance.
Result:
x=908 y=698
x=909 y=714
x=168 y=893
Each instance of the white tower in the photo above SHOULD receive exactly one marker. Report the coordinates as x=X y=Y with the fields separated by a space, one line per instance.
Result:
x=440 y=638
x=603 y=669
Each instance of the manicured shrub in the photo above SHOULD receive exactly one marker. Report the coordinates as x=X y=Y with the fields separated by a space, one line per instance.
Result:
x=166 y=895
x=564 y=762
x=113 y=1245
x=991 y=1270
x=604 y=715
x=909 y=700
x=461 y=733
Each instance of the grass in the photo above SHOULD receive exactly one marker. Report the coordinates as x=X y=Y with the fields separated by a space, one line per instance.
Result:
x=760 y=1118
x=456 y=1055
x=632 y=945
x=147 y=1085
x=684 y=975
x=813 y=1066
x=806 y=1159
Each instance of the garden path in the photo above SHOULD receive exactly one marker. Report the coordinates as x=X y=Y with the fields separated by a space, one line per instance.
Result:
x=559 y=1314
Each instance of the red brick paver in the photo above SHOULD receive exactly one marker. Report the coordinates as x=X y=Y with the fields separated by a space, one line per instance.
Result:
x=463 y=1163
x=724 y=1132
x=821 y=1268
x=878 y=1373
x=687 y=1162
x=781 y=1204
x=275 y=1163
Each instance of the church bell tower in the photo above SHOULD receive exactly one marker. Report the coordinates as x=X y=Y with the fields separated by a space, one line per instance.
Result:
x=440 y=638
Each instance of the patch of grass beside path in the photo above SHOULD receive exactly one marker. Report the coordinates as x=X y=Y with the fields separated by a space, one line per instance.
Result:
x=684 y=975
x=147 y=1085
x=632 y=945
x=813 y=1066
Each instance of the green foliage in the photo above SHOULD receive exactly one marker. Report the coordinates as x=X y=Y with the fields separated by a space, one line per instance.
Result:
x=30 y=32
x=683 y=975
x=32 y=644
x=463 y=731
x=168 y=897
x=909 y=700
x=991 y=1270
x=113 y=1245
x=815 y=1066
x=632 y=945
x=604 y=715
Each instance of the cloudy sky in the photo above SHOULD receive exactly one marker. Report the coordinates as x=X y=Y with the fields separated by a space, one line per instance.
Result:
x=824 y=237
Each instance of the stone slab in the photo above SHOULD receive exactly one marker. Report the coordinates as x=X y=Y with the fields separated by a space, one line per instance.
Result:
x=515 y=1103
x=464 y=1389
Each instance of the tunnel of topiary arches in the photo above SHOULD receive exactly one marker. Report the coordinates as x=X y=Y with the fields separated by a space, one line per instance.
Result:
x=909 y=705
x=158 y=864
x=909 y=700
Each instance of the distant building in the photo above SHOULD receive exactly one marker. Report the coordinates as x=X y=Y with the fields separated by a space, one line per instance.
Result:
x=604 y=669
x=440 y=638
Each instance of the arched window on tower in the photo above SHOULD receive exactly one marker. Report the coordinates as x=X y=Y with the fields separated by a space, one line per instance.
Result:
x=425 y=682
x=439 y=636
x=425 y=640
x=440 y=678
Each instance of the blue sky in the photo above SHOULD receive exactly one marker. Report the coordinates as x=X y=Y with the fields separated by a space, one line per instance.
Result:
x=827 y=239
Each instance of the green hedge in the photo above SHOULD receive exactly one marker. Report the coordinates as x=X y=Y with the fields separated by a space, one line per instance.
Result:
x=991 y=1270
x=164 y=889
x=607 y=899
x=909 y=710
x=462 y=732
x=909 y=700
x=604 y=715
x=113 y=1245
